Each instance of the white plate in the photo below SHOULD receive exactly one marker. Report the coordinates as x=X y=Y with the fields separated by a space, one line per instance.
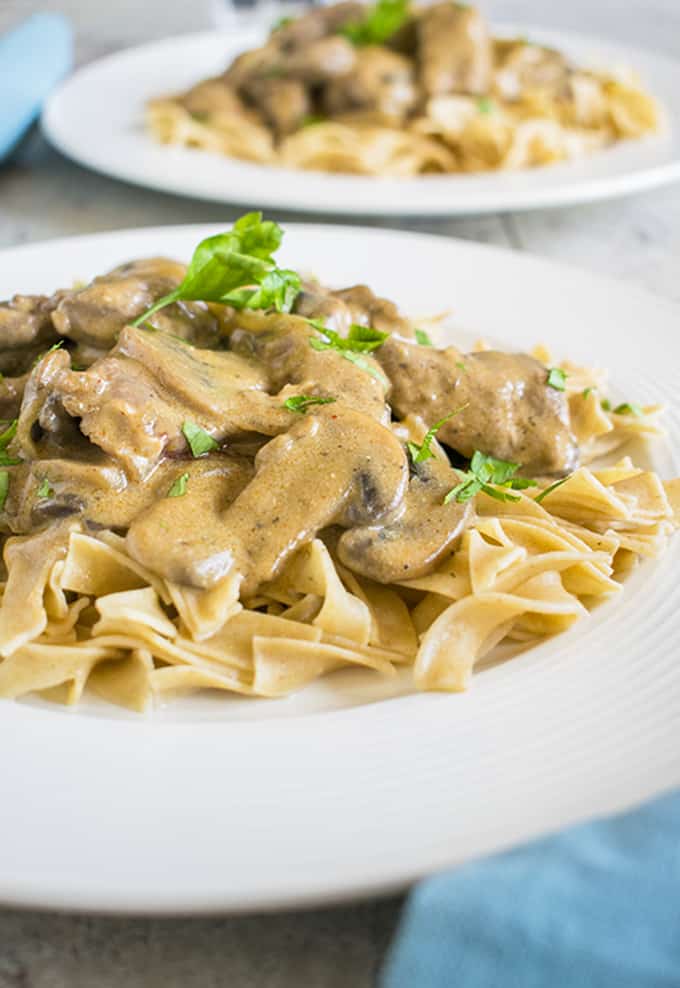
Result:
x=233 y=804
x=97 y=118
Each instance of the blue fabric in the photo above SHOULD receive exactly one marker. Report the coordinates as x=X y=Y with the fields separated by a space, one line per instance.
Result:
x=33 y=58
x=597 y=906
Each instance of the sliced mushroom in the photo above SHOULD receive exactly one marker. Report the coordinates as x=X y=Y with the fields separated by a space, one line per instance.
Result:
x=380 y=81
x=284 y=103
x=413 y=542
x=335 y=467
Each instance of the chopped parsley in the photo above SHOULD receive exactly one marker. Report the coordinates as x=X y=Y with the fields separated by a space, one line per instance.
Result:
x=485 y=105
x=488 y=474
x=4 y=488
x=629 y=408
x=45 y=490
x=236 y=268
x=549 y=490
x=422 y=338
x=606 y=405
x=359 y=341
x=300 y=403
x=423 y=451
x=311 y=119
x=557 y=379
x=380 y=22
x=282 y=22
x=5 y=439
x=199 y=440
x=586 y=392
x=179 y=486
x=461 y=365
x=55 y=346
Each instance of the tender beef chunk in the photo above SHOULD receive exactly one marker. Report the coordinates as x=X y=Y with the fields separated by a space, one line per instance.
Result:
x=454 y=51
x=510 y=410
x=96 y=314
x=380 y=81
x=282 y=346
x=25 y=331
x=325 y=59
x=368 y=309
x=284 y=103
x=132 y=404
x=317 y=23
x=11 y=393
x=44 y=428
x=213 y=96
x=521 y=67
x=413 y=542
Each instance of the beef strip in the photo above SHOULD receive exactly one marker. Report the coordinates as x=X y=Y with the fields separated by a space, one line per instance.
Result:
x=95 y=315
x=522 y=67
x=25 y=331
x=455 y=51
x=284 y=103
x=380 y=81
x=368 y=309
x=132 y=404
x=510 y=410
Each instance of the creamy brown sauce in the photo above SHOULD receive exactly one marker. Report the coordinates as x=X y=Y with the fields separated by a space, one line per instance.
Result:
x=104 y=446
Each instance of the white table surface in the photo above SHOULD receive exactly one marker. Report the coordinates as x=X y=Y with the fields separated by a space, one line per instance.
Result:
x=41 y=196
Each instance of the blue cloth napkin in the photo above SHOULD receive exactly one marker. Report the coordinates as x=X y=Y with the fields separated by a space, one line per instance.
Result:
x=597 y=906
x=33 y=58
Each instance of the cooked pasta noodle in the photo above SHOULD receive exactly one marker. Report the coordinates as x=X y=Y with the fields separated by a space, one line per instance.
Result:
x=357 y=89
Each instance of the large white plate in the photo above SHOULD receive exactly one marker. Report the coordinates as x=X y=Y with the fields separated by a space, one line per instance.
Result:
x=346 y=789
x=97 y=118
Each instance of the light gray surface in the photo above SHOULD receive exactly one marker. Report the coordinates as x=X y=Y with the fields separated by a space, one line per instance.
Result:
x=41 y=196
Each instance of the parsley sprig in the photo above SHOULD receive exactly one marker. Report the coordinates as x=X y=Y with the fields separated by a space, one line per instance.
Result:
x=300 y=403
x=359 y=341
x=557 y=379
x=423 y=338
x=420 y=452
x=494 y=477
x=381 y=21
x=4 y=488
x=6 y=437
x=178 y=488
x=45 y=489
x=199 y=440
x=236 y=268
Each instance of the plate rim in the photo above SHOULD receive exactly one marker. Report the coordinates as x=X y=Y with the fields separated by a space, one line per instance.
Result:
x=568 y=192
x=34 y=891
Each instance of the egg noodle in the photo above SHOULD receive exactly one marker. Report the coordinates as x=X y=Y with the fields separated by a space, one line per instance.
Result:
x=439 y=95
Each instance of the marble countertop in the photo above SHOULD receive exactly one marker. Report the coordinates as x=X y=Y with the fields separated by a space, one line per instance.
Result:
x=43 y=195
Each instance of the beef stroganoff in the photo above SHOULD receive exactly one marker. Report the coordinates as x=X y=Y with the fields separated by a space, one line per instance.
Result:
x=229 y=476
x=401 y=90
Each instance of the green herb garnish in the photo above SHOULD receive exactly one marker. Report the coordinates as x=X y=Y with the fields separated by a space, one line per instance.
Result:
x=422 y=338
x=586 y=392
x=488 y=474
x=461 y=365
x=179 y=486
x=557 y=379
x=236 y=268
x=311 y=119
x=629 y=408
x=55 y=346
x=45 y=490
x=549 y=490
x=359 y=341
x=381 y=21
x=485 y=105
x=4 y=488
x=199 y=440
x=282 y=22
x=5 y=439
x=606 y=405
x=423 y=451
x=300 y=403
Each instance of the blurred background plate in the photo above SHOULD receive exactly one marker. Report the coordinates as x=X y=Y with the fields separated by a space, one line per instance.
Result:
x=352 y=786
x=97 y=118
